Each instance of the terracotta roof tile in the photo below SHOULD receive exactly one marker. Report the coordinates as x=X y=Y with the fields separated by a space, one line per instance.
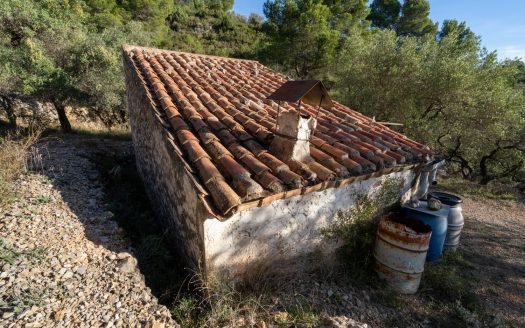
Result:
x=270 y=182
x=177 y=123
x=256 y=166
x=323 y=173
x=336 y=153
x=398 y=157
x=356 y=167
x=206 y=135
x=351 y=151
x=223 y=123
x=185 y=136
x=207 y=170
x=194 y=150
x=217 y=150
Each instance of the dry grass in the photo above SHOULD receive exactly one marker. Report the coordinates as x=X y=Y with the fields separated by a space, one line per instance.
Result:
x=216 y=303
x=98 y=129
x=14 y=149
x=95 y=130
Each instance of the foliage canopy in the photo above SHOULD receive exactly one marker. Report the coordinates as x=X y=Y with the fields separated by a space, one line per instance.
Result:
x=386 y=59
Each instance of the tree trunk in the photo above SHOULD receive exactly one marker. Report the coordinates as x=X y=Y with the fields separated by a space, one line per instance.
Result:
x=483 y=165
x=485 y=178
x=7 y=103
x=62 y=116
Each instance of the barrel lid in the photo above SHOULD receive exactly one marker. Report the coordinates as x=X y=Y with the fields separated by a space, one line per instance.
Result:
x=423 y=209
x=446 y=198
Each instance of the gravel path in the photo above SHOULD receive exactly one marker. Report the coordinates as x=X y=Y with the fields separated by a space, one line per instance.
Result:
x=63 y=261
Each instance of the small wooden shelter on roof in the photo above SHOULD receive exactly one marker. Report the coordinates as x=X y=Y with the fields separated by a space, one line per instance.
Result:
x=311 y=92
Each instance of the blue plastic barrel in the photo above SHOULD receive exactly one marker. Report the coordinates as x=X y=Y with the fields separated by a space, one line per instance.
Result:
x=437 y=220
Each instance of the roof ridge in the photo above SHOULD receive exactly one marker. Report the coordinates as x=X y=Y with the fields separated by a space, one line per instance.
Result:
x=129 y=47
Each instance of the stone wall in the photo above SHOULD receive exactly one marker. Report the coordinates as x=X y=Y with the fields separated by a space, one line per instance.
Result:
x=169 y=185
x=31 y=112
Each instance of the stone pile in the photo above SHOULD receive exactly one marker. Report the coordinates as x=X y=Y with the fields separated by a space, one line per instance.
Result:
x=63 y=260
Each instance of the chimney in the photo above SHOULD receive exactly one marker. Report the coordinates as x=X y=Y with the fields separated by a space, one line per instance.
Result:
x=292 y=138
x=291 y=142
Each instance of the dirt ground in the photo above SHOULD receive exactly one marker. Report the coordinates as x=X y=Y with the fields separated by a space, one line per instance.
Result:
x=494 y=242
x=483 y=285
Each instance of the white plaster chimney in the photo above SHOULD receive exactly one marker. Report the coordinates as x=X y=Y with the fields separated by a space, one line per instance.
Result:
x=291 y=143
x=292 y=138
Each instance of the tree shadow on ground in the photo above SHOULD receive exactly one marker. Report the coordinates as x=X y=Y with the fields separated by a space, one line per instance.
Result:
x=127 y=199
x=118 y=209
x=497 y=255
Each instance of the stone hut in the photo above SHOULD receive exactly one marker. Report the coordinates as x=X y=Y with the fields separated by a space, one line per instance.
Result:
x=233 y=198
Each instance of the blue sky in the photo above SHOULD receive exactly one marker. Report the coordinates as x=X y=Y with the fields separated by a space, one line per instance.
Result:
x=501 y=24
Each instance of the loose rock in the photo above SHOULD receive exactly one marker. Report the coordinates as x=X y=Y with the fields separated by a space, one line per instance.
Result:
x=74 y=263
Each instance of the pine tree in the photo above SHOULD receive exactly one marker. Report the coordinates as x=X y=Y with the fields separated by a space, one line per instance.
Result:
x=301 y=34
x=414 y=20
x=384 y=13
x=348 y=15
x=463 y=32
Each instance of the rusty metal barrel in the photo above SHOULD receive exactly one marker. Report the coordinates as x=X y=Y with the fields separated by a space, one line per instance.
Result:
x=400 y=251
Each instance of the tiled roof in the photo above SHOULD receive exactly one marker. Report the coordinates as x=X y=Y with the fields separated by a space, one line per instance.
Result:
x=222 y=124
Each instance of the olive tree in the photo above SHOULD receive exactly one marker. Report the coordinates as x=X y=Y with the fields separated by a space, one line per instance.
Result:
x=41 y=35
x=459 y=100
x=50 y=51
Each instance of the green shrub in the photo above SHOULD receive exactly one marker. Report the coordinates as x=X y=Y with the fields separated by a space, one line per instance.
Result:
x=357 y=227
x=304 y=316
x=186 y=311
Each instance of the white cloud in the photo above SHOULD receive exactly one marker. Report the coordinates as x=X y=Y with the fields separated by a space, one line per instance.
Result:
x=512 y=52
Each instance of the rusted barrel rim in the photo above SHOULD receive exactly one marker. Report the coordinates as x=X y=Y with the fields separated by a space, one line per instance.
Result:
x=405 y=230
x=418 y=250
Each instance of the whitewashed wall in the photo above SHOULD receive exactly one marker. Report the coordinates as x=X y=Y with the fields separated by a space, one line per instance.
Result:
x=284 y=235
